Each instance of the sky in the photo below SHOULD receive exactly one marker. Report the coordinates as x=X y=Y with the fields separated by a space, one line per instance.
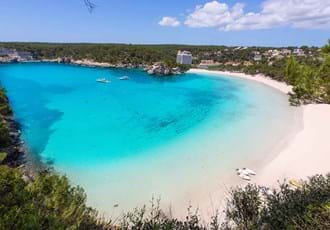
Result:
x=206 y=22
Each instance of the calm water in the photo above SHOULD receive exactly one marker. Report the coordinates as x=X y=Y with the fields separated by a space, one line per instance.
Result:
x=128 y=140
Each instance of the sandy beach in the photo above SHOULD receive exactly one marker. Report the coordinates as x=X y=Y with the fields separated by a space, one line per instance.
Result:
x=306 y=154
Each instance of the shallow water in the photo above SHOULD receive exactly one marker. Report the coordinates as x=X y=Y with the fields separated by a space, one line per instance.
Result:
x=126 y=141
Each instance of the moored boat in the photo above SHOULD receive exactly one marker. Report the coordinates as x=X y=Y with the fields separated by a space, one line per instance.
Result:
x=102 y=80
x=244 y=177
x=124 y=78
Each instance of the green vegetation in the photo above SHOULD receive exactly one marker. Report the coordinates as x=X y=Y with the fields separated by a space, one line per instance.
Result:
x=110 y=53
x=311 y=84
x=274 y=70
x=49 y=202
x=5 y=110
x=306 y=207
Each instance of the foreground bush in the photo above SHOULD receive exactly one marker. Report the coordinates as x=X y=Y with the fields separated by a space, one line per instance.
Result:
x=306 y=207
x=49 y=202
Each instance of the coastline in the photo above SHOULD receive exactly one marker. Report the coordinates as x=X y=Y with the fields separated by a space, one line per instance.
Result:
x=281 y=86
x=281 y=161
x=304 y=154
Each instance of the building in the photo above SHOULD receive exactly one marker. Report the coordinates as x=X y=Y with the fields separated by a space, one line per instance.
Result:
x=21 y=55
x=206 y=63
x=286 y=52
x=247 y=63
x=232 y=63
x=5 y=51
x=24 y=55
x=257 y=57
x=275 y=53
x=298 y=52
x=184 y=57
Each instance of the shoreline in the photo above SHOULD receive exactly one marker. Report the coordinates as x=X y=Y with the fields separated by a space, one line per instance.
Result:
x=281 y=86
x=299 y=155
x=306 y=154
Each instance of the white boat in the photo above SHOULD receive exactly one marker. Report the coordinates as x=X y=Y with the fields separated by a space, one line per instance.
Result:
x=102 y=80
x=124 y=78
x=242 y=171
x=250 y=171
x=244 y=177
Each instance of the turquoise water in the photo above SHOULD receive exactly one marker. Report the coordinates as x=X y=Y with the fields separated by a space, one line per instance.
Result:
x=128 y=140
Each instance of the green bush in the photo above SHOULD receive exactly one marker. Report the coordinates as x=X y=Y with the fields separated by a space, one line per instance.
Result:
x=4 y=134
x=49 y=202
x=287 y=208
x=311 y=84
x=243 y=208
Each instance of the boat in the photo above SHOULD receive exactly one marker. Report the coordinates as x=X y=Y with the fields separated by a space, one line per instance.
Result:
x=250 y=171
x=102 y=80
x=124 y=78
x=244 y=176
x=242 y=171
x=246 y=171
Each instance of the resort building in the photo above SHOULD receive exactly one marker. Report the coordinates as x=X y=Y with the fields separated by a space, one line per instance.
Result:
x=184 y=57
x=257 y=57
x=247 y=63
x=206 y=63
x=298 y=52
x=5 y=51
x=286 y=52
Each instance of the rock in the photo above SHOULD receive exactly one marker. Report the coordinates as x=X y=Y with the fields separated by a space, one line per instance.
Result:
x=159 y=69
x=14 y=134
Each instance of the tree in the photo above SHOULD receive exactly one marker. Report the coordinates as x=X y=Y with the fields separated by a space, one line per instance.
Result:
x=90 y=5
x=292 y=71
x=243 y=208
x=311 y=83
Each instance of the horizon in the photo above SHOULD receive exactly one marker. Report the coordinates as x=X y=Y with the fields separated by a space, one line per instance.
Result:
x=262 y=23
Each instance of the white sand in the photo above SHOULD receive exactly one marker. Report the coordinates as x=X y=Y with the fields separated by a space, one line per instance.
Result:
x=307 y=153
x=259 y=78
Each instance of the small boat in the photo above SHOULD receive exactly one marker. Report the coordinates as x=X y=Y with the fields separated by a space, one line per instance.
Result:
x=124 y=78
x=250 y=171
x=102 y=80
x=242 y=171
x=244 y=177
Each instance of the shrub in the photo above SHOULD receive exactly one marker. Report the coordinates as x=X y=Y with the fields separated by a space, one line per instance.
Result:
x=49 y=202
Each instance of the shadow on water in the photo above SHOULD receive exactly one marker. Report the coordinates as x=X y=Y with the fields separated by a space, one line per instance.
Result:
x=29 y=100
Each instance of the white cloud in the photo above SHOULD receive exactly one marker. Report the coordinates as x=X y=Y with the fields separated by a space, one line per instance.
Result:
x=273 y=13
x=169 y=21
x=212 y=14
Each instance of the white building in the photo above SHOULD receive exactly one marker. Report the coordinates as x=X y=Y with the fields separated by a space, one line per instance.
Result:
x=286 y=52
x=257 y=57
x=5 y=51
x=298 y=52
x=184 y=57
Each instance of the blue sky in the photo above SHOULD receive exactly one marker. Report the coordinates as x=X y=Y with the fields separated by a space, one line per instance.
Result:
x=231 y=22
